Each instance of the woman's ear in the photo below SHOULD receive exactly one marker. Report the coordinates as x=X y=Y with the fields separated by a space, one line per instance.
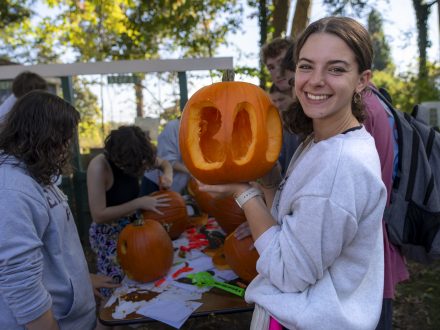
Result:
x=364 y=79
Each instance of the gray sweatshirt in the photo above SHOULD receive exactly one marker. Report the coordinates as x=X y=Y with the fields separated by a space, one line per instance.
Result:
x=322 y=266
x=42 y=264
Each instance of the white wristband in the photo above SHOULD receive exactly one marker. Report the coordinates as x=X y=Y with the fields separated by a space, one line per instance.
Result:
x=247 y=195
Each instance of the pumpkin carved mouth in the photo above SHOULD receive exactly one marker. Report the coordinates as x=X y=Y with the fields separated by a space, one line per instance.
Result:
x=230 y=132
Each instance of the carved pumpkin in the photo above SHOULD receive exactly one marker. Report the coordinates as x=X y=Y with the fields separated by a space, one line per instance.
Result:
x=225 y=210
x=230 y=132
x=242 y=260
x=174 y=217
x=145 y=251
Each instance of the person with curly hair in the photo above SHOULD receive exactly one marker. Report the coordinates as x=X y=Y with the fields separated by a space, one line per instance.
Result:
x=113 y=187
x=44 y=278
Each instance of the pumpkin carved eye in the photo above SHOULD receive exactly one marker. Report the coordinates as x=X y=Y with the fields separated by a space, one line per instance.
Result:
x=230 y=132
x=210 y=123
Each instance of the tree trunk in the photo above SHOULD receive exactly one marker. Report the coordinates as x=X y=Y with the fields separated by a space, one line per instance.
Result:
x=279 y=19
x=422 y=13
x=263 y=37
x=301 y=17
x=139 y=97
x=438 y=15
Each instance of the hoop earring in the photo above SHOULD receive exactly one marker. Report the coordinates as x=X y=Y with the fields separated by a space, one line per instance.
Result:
x=357 y=98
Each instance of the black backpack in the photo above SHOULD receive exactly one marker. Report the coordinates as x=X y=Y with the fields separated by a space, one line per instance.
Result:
x=413 y=216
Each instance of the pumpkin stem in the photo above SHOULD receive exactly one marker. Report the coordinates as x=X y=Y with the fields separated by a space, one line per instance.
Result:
x=228 y=75
x=138 y=222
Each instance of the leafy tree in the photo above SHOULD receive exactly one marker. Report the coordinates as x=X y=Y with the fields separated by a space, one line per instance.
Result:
x=407 y=89
x=280 y=12
x=272 y=18
x=422 y=10
x=301 y=17
x=136 y=29
x=14 y=11
x=382 y=52
x=86 y=103
x=343 y=7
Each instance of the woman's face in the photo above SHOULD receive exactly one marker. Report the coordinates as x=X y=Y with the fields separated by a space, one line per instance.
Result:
x=327 y=76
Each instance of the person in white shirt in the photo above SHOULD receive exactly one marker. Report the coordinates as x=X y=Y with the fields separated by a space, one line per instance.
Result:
x=168 y=148
x=23 y=83
x=321 y=263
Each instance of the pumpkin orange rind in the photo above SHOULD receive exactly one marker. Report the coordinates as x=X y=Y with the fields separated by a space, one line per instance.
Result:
x=241 y=257
x=145 y=251
x=175 y=216
x=230 y=132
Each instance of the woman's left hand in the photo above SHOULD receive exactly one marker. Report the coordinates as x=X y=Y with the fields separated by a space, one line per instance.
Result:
x=224 y=190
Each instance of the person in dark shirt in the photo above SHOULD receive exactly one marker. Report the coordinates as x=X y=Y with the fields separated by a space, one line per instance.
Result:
x=113 y=187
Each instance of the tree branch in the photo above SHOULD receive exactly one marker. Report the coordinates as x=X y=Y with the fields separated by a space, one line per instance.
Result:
x=432 y=3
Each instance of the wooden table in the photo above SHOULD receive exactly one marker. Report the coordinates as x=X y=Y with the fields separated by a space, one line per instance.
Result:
x=213 y=302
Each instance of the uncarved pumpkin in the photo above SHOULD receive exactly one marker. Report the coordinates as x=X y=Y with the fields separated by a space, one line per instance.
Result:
x=203 y=199
x=174 y=217
x=145 y=251
x=240 y=257
x=227 y=213
x=230 y=132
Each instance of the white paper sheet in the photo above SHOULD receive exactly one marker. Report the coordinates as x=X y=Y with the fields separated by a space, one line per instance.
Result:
x=173 y=313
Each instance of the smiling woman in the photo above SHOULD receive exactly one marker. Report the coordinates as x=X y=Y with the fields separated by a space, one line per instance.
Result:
x=320 y=245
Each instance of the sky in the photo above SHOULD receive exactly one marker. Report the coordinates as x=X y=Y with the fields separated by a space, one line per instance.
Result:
x=399 y=27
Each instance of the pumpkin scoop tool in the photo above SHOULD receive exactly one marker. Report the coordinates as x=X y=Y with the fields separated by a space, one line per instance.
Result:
x=206 y=279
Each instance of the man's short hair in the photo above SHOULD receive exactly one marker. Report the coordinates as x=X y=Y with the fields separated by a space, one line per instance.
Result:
x=275 y=47
x=28 y=81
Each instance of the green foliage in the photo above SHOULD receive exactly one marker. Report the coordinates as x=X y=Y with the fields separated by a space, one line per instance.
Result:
x=14 y=11
x=407 y=89
x=343 y=7
x=135 y=29
x=381 y=48
x=89 y=130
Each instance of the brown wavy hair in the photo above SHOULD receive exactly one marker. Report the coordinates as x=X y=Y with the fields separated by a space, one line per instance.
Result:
x=28 y=81
x=358 y=39
x=130 y=149
x=38 y=131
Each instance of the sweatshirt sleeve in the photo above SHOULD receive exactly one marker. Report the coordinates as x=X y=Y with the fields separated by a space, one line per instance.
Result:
x=23 y=221
x=310 y=238
x=168 y=143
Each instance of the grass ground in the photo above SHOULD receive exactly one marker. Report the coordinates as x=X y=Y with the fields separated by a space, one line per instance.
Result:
x=417 y=304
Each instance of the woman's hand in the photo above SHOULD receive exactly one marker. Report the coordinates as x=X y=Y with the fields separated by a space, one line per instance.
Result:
x=224 y=190
x=165 y=181
x=101 y=281
x=153 y=203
